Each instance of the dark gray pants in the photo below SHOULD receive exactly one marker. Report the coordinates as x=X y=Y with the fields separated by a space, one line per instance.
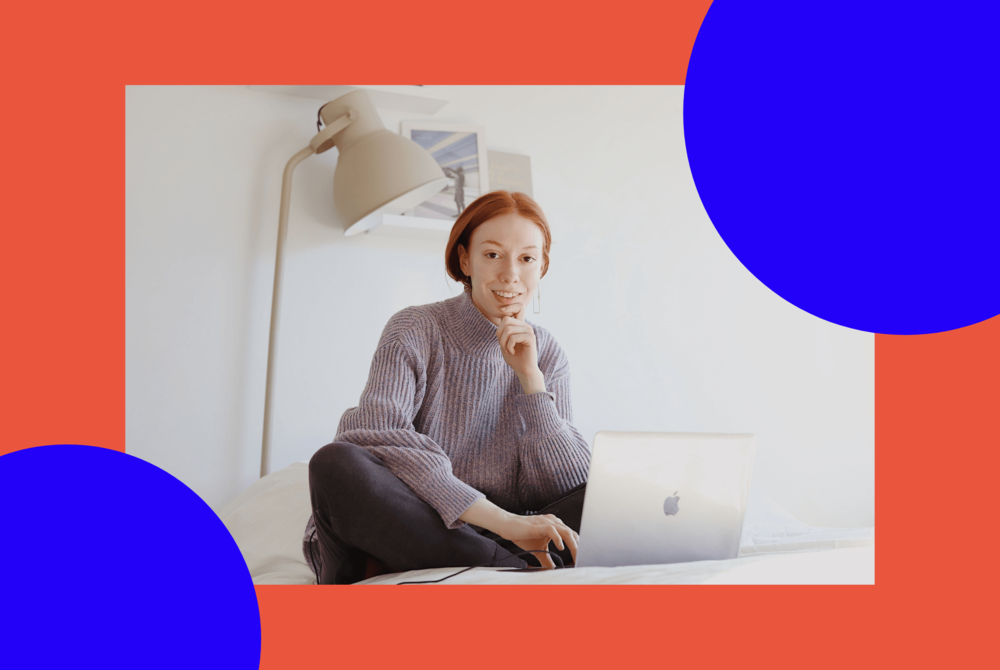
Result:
x=360 y=508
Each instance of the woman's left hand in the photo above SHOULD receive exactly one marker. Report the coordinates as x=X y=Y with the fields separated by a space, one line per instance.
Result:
x=517 y=342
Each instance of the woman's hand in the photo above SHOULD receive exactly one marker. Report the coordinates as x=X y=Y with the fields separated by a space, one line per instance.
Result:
x=520 y=351
x=533 y=533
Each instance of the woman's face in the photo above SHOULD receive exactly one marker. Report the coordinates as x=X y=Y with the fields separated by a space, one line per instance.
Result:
x=504 y=255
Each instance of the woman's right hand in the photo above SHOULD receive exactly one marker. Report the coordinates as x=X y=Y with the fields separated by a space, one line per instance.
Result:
x=533 y=533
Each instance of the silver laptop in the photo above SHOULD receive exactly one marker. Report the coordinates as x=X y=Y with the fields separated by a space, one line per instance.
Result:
x=657 y=498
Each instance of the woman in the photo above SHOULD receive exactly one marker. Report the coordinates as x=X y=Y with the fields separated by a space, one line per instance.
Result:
x=462 y=449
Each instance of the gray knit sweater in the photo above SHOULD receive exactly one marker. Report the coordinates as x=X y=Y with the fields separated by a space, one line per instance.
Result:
x=448 y=416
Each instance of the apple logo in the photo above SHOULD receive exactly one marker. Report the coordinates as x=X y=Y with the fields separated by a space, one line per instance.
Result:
x=670 y=505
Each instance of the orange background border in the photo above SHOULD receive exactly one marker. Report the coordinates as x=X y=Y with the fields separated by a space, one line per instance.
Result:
x=64 y=343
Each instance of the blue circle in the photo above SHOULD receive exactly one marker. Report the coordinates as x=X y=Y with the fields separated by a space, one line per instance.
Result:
x=110 y=562
x=849 y=156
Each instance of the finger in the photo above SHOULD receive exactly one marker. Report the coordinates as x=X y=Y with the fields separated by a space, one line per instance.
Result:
x=545 y=560
x=503 y=331
x=512 y=331
x=504 y=322
x=557 y=520
x=525 y=332
x=518 y=338
x=573 y=542
x=571 y=536
x=515 y=327
x=562 y=524
x=556 y=538
x=502 y=335
x=513 y=311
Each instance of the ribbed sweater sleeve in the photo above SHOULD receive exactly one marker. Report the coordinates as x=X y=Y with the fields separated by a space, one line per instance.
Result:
x=383 y=424
x=554 y=456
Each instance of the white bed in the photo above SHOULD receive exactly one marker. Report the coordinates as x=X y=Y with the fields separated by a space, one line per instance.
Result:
x=268 y=519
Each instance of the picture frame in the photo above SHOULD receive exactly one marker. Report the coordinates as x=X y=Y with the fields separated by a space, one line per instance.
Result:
x=460 y=150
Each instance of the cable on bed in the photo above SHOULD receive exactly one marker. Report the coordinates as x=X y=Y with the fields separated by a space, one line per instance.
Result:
x=531 y=551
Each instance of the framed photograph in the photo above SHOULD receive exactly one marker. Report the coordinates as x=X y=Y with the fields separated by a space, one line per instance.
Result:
x=460 y=150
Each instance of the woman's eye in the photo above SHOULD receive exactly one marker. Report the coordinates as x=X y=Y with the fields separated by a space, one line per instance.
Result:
x=529 y=258
x=491 y=253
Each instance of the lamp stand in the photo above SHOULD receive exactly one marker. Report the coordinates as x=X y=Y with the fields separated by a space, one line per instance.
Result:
x=320 y=143
x=272 y=343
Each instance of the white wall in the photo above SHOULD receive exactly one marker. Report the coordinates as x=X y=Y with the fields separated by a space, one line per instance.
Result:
x=665 y=329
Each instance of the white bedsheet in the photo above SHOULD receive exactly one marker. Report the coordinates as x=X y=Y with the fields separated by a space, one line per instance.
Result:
x=843 y=566
x=269 y=518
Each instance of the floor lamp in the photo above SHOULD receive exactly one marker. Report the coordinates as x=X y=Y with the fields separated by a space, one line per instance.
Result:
x=378 y=172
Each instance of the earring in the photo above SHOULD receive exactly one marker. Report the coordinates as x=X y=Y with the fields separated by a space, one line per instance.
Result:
x=536 y=302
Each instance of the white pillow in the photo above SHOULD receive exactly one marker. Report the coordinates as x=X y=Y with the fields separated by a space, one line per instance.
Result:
x=268 y=521
x=768 y=528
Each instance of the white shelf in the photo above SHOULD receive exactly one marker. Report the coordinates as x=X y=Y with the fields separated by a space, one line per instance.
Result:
x=414 y=227
x=409 y=99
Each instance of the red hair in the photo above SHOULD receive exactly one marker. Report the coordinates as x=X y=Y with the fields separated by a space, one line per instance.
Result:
x=484 y=208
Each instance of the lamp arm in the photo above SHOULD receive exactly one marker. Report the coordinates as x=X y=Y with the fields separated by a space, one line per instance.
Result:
x=272 y=343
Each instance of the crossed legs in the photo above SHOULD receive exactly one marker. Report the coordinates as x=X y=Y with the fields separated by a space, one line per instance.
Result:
x=360 y=508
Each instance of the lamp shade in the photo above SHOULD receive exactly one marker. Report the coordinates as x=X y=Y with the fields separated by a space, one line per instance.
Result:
x=378 y=171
